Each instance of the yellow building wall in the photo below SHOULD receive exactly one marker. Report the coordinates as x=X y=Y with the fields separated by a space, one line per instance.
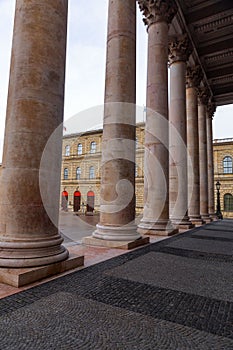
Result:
x=223 y=148
x=87 y=159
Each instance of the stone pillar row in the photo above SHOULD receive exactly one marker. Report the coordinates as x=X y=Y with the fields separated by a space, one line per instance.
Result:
x=28 y=234
x=190 y=164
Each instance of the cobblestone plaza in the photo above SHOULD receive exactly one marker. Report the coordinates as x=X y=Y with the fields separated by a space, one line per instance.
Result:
x=174 y=294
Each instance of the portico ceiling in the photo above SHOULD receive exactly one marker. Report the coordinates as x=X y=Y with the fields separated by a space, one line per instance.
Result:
x=209 y=24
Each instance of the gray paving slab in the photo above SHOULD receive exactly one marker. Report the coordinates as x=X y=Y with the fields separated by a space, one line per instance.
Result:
x=206 y=278
x=204 y=245
x=224 y=225
x=215 y=234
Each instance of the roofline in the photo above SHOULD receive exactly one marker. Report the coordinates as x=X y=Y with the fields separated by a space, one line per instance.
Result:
x=225 y=140
x=90 y=132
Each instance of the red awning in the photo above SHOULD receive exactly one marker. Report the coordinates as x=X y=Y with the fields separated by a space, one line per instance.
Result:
x=90 y=194
x=77 y=194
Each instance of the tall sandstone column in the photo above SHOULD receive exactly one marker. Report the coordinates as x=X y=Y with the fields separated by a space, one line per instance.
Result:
x=157 y=16
x=203 y=98
x=210 y=160
x=179 y=51
x=28 y=237
x=193 y=79
x=117 y=209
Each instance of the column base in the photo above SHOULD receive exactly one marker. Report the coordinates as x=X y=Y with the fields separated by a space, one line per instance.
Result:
x=206 y=218
x=159 y=228
x=214 y=217
x=18 y=277
x=197 y=221
x=127 y=245
x=89 y=213
x=183 y=224
x=116 y=233
x=185 y=227
x=34 y=253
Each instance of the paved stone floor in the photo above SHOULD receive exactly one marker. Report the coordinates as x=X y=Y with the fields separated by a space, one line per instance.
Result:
x=172 y=294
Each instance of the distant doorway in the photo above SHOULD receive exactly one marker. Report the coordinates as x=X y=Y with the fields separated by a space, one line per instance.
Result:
x=90 y=201
x=64 y=200
x=77 y=201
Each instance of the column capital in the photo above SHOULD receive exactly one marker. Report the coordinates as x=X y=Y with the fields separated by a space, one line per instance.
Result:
x=211 y=108
x=194 y=75
x=203 y=95
x=180 y=49
x=157 y=11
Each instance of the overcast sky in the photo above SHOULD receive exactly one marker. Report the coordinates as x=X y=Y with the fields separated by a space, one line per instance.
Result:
x=86 y=54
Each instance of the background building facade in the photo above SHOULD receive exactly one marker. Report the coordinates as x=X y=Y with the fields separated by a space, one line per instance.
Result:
x=223 y=172
x=81 y=166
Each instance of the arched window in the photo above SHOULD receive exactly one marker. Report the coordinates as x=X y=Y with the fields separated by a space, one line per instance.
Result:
x=93 y=147
x=228 y=202
x=91 y=173
x=66 y=174
x=67 y=150
x=80 y=148
x=78 y=173
x=227 y=165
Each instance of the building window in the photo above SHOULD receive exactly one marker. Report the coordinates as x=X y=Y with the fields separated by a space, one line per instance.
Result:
x=80 y=148
x=67 y=150
x=78 y=173
x=66 y=174
x=228 y=202
x=93 y=147
x=227 y=165
x=136 y=143
x=91 y=173
x=136 y=170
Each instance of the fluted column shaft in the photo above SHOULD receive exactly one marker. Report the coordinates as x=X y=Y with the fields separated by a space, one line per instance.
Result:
x=28 y=236
x=210 y=160
x=156 y=166
x=192 y=81
x=179 y=50
x=117 y=209
x=203 y=167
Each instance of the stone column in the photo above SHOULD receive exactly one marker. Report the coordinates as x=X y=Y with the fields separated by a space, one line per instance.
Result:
x=203 y=168
x=193 y=79
x=28 y=237
x=157 y=16
x=210 y=160
x=179 y=51
x=117 y=209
